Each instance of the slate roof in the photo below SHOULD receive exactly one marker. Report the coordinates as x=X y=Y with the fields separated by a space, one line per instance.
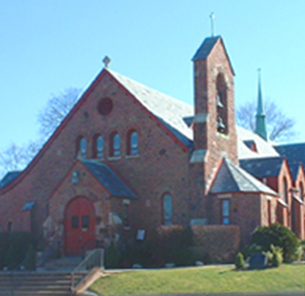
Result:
x=8 y=178
x=295 y=154
x=262 y=167
x=109 y=179
x=167 y=109
x=205 y=48
x=264 y=148
x=231 y=178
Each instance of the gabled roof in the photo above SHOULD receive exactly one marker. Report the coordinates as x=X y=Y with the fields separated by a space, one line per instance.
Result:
x=8 y=178
x=295 y=154
x=109 y=179
x=231 y=178
x=206 y=48
x=168 y=110
x=263 y=167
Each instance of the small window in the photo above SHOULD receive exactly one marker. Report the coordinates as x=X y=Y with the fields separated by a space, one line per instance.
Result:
x=126 y=216
x=225 y=212
x=284 y=190
x=115 y=142
x=167 y=209
x=302 y=197
x=132 y=143
x=85 y=222
x=74 y=222
x=83 y=147
x=99 y=146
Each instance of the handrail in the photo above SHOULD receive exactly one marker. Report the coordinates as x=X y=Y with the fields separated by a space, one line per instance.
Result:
x=86 y=243
x=94 y=259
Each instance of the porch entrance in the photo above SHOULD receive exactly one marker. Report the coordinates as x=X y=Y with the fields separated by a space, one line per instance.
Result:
x=79 y=226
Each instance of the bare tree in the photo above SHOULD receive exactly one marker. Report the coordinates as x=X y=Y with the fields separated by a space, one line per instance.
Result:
x=56 y=110
x=279 y=125
x=16 y=158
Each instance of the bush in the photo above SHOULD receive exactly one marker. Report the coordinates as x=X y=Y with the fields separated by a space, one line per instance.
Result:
x=239 y=261
x=30 y=264
x=112 y=258
x=171 y=245
x=14 y=247
x=277 y=258
x=277 y=235
x=216 y=243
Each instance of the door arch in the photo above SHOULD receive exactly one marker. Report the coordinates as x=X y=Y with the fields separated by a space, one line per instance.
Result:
x=79 y=226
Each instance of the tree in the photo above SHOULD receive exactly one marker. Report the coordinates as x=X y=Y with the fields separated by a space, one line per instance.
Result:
x=280 y=127
x=57 y=107
x=16 y=158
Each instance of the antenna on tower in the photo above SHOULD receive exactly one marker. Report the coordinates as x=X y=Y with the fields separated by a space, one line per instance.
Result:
x=212 y=17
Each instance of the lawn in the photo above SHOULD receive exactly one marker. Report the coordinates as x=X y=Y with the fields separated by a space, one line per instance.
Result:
x=209 y=279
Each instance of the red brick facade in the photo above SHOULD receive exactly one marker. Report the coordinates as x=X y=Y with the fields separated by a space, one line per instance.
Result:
x=162 y=164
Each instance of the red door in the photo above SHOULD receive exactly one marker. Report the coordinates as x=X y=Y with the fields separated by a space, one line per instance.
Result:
x=79 y=226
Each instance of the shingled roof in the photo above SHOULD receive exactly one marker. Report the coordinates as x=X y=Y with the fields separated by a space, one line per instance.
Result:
x=231 y=178
x=8 y=178
x=295 y=154
x=109 y=179
x=262 y=167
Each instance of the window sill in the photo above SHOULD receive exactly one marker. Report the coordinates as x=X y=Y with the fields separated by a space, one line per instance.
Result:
x=223 y=135
x=114 y=157
x=132 y=156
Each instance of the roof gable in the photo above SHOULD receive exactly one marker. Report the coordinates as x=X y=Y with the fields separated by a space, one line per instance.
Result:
x=231 y=178
x=109 y=179
x=206 y=48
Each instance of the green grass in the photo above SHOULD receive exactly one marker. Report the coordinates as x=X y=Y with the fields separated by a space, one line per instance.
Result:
x=199 y=280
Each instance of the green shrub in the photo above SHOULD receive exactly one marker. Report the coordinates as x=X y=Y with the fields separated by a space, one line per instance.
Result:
x=13 y=248
x=112 y=258
x=171 y=244
x=277 y=235
x=30 y=263
x=216 y=243
x=239 y=261
x=277 y=258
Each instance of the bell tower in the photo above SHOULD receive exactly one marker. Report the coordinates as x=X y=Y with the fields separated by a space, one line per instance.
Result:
x=214 y=121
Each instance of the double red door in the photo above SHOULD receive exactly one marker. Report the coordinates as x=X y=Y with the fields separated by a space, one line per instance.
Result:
x=79 y=226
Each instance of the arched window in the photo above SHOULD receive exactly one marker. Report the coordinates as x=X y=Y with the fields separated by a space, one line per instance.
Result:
x=302 y=197
x=99 y=147
x=284 y=190
x=167 y=209
x=82 y=147
x=132 y=142
x=115 y=145
x=221 y=104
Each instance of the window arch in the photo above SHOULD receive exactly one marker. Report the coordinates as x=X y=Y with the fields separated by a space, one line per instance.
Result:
x=167 y=209
x=115 y=144
x=221 y=104
x=132 y=142
x=98 y=151
x=82 y=147
x=284 y=190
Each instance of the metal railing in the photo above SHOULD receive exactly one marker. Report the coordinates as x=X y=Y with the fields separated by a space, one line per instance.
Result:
x=95 y=258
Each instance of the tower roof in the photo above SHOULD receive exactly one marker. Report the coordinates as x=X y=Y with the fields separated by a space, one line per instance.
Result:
x=206 y=48
x=261 y=127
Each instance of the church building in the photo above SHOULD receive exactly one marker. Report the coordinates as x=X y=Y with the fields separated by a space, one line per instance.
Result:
x=128 y=159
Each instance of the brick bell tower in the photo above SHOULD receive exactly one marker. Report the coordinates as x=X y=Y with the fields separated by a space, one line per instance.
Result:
x=214 y=121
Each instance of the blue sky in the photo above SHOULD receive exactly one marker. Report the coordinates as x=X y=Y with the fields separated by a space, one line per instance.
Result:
x=48 y=46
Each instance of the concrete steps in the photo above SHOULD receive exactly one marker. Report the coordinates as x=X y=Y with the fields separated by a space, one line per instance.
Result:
x=62 y=264
x=37 y=283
